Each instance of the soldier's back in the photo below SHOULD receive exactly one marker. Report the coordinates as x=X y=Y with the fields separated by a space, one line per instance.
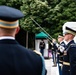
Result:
x=16 y=60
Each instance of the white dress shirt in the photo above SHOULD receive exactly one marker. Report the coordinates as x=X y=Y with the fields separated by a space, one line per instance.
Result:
x=6 y=37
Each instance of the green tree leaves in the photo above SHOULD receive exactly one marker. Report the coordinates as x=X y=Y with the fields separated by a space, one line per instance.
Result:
x=50 y=14
x=35 y=9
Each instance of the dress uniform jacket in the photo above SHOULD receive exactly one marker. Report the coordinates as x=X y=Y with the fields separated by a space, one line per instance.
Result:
x=60 y=57
x=66 y=63
x=72 y=58
x=16 y=60
x=61 y=53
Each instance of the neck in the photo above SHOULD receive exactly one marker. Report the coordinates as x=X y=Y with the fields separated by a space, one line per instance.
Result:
x=7 y=35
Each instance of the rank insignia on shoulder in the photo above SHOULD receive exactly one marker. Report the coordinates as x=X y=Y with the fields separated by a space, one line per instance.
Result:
x=72 y=44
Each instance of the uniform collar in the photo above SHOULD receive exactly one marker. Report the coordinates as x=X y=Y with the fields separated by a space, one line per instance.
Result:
x=71 y=41
x=61 y=42
x=65 y=42
x=6 y=37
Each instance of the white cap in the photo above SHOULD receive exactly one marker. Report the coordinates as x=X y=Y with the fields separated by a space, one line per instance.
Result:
x=69 y=27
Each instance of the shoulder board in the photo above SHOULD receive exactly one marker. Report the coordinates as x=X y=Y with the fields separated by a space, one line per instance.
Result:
x=37 y=52
x=73 y=45
x=43 y=62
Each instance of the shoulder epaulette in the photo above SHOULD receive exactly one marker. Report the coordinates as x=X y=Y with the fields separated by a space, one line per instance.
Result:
x=43 y=62
x=37 y=52
x=72 y=44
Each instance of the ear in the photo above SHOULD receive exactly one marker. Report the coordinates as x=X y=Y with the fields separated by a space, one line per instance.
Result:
x=17 y=30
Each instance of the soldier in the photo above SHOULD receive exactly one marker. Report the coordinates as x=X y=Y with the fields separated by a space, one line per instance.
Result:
x=54 y=52
x=60 y=52
x=69 y=34
x=71 y=53
x=14 y=58
x=42 y=46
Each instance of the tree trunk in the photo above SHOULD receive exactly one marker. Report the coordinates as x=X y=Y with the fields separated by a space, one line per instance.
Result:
x=27 y=39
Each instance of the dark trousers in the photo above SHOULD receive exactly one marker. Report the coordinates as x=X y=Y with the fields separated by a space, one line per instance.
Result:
x=59 y=67
x=42 y=51
x=60 y=70
x=54 y=57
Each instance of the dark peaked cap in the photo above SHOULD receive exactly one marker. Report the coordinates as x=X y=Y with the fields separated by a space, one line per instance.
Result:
x=10 y=14
x=9 y=17
x=69 y=30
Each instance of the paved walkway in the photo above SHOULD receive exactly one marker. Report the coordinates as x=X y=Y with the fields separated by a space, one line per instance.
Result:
x=51 y=70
